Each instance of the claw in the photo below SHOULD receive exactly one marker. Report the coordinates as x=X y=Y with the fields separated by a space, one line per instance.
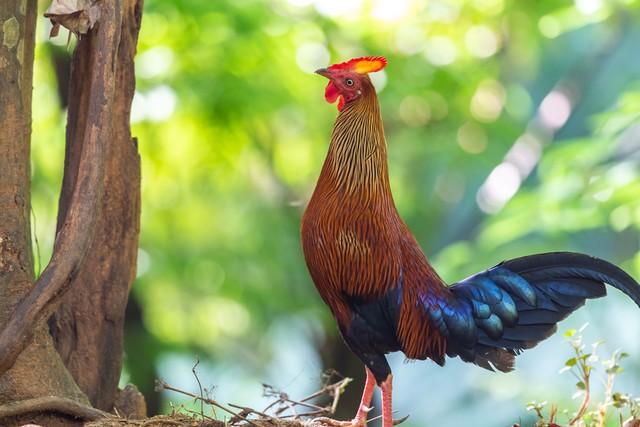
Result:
x=395 y=422
x=400 y=420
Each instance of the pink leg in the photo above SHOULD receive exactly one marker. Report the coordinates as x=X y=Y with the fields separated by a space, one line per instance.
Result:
x=365 y=402
x=361 y=417
x=387 y=420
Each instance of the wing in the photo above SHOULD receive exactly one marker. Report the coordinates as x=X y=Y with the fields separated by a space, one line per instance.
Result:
x=371 y=332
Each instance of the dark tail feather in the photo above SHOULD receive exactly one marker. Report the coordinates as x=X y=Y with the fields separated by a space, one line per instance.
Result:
x=537 y=290
x=565 y=265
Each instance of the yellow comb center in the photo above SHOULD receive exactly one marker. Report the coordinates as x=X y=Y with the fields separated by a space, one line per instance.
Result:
x=368 y=66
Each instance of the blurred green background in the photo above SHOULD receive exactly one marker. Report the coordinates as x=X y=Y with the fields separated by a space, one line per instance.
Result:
x=513 y=127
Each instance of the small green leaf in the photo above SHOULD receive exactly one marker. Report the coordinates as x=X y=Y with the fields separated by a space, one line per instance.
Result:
x=615 y=369
x=571 y=362
x=581 y=385
x=570 y=332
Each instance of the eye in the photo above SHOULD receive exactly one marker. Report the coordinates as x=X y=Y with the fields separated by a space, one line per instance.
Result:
x=349 y=82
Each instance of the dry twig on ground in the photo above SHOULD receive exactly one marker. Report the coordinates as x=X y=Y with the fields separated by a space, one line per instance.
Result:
x=283 y=411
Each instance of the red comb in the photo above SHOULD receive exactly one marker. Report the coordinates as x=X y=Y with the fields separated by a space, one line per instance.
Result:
x=362 y=65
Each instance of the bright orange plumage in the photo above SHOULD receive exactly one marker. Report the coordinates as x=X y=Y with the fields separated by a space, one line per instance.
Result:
x=371 y=272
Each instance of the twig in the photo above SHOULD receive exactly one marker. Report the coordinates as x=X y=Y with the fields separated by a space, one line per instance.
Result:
x=307 y=405
x=304 y=414
x=251 y=410
x=282 y=403
x=553 y=412
x=189 y=411
x=199 y=386
x=334 y=391
x=293 y=409
x=328 y=386
x=165 y=386
x=338 y=390
x=585 y=401
x=241 y=415
x=268 y=390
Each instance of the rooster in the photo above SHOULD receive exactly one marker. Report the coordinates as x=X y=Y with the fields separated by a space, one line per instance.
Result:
x=386 y=297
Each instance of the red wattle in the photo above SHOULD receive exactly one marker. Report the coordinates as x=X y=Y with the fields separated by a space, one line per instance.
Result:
x=331 y=93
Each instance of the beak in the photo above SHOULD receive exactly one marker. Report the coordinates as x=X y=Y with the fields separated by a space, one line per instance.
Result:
x=324 y=72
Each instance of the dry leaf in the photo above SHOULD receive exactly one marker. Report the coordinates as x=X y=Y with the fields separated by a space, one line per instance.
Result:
x=78 y=16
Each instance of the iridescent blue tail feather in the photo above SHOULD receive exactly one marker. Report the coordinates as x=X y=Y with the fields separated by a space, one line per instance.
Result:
x=494 y=315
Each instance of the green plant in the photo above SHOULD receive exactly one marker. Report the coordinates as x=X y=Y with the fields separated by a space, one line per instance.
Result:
x=582 y=365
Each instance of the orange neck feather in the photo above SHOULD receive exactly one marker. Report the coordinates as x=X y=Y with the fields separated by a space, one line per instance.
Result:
x=357 y=157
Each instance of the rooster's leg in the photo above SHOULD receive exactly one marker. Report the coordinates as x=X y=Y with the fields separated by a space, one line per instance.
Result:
x=365 y=402
x=386 y=386
x=360 y=419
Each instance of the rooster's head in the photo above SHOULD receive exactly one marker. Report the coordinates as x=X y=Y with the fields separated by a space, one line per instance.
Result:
x=348 y=80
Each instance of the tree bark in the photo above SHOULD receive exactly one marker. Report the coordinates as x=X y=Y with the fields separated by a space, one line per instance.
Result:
x=98 y=223
x=38 y=371
x=88 y=326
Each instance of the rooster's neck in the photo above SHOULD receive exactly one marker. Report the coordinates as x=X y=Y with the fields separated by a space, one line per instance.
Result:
x=357 y=157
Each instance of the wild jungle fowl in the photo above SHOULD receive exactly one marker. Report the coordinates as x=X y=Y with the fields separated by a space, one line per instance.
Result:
x=382 y=291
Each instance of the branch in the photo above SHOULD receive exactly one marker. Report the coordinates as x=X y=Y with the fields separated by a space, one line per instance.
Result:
x=76 y=234
x=164 y=386
x=252 y=417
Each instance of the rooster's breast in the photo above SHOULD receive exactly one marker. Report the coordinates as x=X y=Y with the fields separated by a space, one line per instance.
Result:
x=350 y=250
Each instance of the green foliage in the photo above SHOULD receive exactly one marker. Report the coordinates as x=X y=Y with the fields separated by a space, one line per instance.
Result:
x=591 y=414
x=538 y=408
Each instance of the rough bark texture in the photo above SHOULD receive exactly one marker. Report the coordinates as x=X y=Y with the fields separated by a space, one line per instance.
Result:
x=73 y=239
x=88 y=326
x=16 y=276
x=96 y=242
x=38 y=371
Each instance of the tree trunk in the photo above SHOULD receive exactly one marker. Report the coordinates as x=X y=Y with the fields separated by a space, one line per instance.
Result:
x=38 y=371
x=96 y=241
x=88 y=327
